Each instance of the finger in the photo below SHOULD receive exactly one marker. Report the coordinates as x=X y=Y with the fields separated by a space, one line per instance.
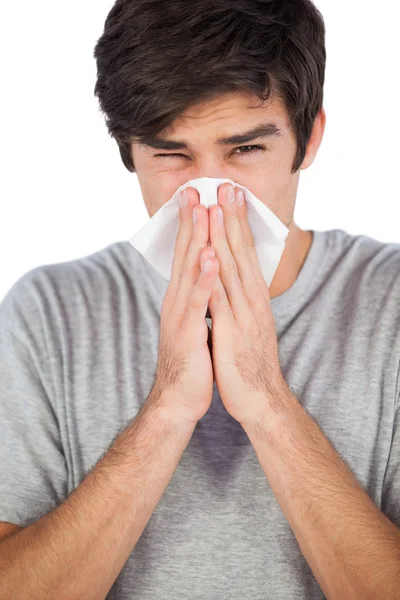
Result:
x=239 y=246
x=201 y=293
x=252 y=254
x=190 y=270
x=229 y=274
x=183 y=240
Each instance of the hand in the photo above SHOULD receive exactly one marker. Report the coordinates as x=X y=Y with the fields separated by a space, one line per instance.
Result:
x=184 y=377
x=244 y=342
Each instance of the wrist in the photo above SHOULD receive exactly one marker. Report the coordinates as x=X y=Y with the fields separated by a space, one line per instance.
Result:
x=168 y=410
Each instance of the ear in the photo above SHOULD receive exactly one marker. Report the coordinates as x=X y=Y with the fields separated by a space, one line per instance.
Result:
x=315 y=140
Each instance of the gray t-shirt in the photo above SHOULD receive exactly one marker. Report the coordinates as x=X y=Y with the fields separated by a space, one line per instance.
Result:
x=78 y=356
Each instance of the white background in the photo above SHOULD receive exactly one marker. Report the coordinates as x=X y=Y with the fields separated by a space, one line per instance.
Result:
x=64 y=192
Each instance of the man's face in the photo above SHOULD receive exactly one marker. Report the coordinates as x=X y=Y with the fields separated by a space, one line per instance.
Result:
x=264 y=170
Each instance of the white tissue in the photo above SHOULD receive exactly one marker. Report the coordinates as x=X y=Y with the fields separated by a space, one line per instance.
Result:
x=156 y=240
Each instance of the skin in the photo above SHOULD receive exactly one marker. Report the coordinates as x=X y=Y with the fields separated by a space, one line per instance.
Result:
x=267 y=174
x=352 y=548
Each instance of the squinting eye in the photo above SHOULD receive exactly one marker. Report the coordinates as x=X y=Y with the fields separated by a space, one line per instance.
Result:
x=252 y=150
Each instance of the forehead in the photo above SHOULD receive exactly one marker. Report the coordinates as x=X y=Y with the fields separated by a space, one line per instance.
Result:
x=229 y=119
x=225 y=109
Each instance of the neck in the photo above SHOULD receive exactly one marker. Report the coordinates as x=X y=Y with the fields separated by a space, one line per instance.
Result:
x=298 y=243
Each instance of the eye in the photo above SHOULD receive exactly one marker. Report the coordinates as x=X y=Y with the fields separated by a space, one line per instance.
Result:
x=253 y=149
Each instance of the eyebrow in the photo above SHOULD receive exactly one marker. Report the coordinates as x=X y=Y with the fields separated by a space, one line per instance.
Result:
x=264 y=130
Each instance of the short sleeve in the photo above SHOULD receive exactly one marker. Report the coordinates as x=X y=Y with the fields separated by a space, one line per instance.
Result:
x=391 y=485
x=33 y=474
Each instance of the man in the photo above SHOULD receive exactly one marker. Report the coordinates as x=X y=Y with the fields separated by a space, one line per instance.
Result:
x=135 y=461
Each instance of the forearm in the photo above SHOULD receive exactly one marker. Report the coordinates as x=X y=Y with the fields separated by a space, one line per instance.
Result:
x=78 y=550
x=351 y=547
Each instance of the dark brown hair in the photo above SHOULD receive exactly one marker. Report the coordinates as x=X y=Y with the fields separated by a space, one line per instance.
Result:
x=157 y=58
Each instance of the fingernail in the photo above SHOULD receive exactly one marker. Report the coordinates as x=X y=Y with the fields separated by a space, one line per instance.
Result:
x=240 y=197
x=184 y=199
x=231 y=195
x=207 y=266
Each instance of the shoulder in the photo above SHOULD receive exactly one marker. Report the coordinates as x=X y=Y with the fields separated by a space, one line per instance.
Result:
x=52 y=288
x=367 y=263
x=373 y=282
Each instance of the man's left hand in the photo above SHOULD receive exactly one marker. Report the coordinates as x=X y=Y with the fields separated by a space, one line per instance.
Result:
x=244 y=342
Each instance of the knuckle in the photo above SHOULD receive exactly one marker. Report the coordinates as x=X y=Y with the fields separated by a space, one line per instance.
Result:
x=175 y=264
x=231 y=267
x=196 y=302
x=250 y=243
x=219 y=294
x=240 y=245
x=186 y=269
x=185 y=218
x=166 y=305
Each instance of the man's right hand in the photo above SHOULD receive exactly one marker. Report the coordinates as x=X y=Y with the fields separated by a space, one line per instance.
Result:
x=184 y=378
